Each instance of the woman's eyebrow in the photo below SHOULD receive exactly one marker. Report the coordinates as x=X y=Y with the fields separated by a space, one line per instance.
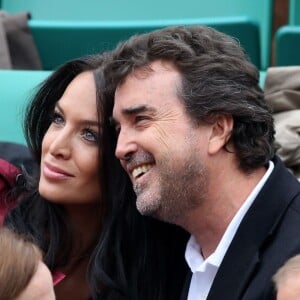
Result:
x=90 y=123
x=84 y=122
x=57 y=106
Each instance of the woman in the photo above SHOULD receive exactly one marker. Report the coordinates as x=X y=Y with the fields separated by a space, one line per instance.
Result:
x=80 y=209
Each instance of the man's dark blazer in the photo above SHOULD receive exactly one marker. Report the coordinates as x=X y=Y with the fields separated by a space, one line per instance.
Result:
x=268 y=235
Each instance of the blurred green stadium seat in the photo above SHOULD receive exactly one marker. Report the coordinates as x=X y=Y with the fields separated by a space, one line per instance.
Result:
x=287 y=38
x=260 y=11
x=287 y=46
x=294 y=12
x=59 y=41
x=16 y=88
x=262 y=78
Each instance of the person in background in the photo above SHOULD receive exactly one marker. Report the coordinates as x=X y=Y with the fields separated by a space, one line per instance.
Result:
x=23 y=275
x=80 y=208
x=196 y=138
x=18 y=155
x=287 y=279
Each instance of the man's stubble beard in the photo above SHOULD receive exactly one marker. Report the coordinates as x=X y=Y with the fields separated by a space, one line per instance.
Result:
x=177 y=190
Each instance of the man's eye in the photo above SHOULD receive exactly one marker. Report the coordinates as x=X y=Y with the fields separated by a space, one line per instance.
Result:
x=90 y=135
x=140 y=118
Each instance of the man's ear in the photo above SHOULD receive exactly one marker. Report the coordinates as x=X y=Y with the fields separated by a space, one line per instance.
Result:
x=220 y=133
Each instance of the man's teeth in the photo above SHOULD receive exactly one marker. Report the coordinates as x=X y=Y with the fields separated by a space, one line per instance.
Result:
x=140 y=170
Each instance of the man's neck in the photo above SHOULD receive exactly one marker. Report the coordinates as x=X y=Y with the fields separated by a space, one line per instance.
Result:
x=208 y=222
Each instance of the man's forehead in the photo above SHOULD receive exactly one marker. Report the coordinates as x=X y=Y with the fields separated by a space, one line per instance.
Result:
x=138 y=73
x=143 y=72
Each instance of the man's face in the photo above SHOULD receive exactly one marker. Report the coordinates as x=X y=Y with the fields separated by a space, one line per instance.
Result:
x=159 y=146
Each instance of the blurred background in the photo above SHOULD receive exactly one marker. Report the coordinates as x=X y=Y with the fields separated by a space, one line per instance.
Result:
x=37 y=36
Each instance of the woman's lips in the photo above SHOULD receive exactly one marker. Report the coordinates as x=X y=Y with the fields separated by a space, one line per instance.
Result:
x=53 y=172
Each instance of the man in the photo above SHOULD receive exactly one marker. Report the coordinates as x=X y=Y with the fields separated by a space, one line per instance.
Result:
x=197 y=140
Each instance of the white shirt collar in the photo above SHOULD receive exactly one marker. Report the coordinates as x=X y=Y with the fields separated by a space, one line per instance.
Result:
x=193 y=255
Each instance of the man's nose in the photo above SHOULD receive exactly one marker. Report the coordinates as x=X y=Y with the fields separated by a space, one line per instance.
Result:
x=126 y=145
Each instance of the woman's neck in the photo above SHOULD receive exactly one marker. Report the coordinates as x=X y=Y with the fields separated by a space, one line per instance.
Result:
x=86 y=227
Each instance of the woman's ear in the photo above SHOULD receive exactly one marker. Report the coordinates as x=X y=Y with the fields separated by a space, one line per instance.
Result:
x=221 y=132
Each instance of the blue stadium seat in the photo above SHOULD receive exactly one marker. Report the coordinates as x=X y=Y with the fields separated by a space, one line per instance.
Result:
x=59 y=41
x=294 y=12
x=262 y=78
x=287 y=46
x=259 y=11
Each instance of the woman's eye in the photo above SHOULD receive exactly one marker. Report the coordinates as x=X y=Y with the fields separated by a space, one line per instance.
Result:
x=90 y=135
x=57 y=118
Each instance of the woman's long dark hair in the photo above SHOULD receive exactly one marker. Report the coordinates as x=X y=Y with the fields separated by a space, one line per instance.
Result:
x=136 y=258
x=46 y=222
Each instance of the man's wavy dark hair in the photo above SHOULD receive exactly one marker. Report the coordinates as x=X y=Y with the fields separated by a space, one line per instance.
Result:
x=217 y=78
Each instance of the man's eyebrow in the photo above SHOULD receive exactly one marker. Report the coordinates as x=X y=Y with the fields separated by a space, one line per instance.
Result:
x=132 y=111
x=137 y=109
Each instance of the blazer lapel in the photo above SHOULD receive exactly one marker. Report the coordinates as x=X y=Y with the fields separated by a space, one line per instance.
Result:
x=186 y=286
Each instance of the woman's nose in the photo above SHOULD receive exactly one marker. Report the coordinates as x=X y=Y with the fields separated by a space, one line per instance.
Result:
x=61 y=144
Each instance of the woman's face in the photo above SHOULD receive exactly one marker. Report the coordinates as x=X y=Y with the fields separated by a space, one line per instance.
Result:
x=69 y=162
